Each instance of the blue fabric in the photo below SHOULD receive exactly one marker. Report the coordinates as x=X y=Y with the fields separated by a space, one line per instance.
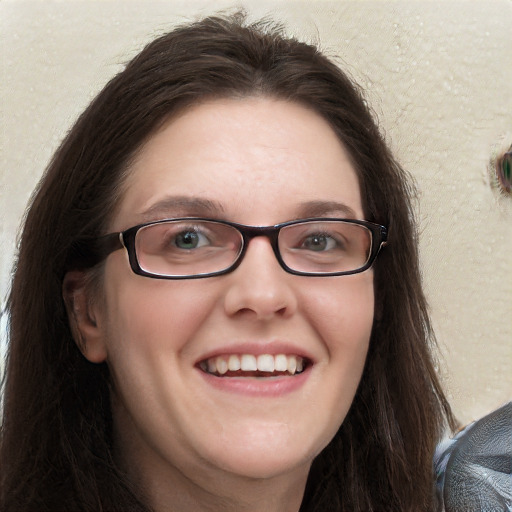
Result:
x=474 y=469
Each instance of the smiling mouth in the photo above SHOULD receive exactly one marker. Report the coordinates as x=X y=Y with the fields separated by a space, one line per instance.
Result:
x=249 y=365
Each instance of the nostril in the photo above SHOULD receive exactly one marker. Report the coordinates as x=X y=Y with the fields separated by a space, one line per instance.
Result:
x=253 y=296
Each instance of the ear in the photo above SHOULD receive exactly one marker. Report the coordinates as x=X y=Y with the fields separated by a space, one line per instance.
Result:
x=83 y=316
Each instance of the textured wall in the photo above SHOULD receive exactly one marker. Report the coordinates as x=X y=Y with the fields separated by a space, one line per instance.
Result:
x=437 y=76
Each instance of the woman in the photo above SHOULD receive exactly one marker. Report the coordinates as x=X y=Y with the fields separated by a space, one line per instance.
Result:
x=167 y=351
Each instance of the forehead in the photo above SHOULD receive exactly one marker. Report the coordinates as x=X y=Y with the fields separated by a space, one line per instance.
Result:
x=257 y=160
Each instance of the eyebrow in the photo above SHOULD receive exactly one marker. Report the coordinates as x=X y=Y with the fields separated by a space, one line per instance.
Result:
x=325 y=208
x=183 y=206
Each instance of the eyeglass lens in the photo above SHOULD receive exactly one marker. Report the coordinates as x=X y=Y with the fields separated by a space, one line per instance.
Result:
x=186 y=248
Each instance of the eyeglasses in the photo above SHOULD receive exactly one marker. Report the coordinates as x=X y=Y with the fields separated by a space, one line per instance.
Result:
x=189 y=248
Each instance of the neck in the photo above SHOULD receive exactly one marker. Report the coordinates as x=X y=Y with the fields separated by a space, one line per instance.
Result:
x=227 y=493
x=168 y=488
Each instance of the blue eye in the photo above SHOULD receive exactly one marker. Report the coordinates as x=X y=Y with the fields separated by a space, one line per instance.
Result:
x=319 y=242
x=190 y=240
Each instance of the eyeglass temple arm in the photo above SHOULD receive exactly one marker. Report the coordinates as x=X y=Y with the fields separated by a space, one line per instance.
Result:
x=86 y=253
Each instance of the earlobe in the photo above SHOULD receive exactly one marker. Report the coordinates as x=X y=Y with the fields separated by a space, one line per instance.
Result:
x=83 y=316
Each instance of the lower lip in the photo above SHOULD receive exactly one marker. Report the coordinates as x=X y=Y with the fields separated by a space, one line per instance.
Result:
x=258 y=386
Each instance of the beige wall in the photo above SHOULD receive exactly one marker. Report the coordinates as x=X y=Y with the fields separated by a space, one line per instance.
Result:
x=437 y=75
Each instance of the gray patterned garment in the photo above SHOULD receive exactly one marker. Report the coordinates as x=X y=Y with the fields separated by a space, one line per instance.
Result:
x=474 y=469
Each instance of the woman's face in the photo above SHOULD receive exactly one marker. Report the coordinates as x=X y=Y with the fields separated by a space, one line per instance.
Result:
x=259 y=162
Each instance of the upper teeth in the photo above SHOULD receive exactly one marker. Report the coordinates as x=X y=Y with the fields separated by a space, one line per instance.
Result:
x=251 y=363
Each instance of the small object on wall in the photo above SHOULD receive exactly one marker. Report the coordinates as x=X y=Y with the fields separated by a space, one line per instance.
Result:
x=503 y=170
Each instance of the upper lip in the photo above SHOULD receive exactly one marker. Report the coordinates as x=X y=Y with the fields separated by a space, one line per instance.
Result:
x=258 y=348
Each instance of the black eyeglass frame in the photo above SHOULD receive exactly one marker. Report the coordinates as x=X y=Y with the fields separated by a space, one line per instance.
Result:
x=86 y=254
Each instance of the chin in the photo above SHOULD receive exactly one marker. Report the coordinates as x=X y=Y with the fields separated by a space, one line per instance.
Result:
x=266 y=466
x=266 y=457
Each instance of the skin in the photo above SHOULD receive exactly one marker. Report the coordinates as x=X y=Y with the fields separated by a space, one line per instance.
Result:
x=190 y=445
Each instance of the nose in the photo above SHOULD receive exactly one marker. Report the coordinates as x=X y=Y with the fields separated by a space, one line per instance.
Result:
x=259 y=287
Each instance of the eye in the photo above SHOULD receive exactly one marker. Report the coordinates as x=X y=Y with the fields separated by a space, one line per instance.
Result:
x=190 y=239
x=319 y=242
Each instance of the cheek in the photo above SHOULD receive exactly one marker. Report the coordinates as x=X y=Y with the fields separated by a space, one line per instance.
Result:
x=342 y=315
x=146 y=316
x=149 y=326
x=343 y=310
x=340 y=311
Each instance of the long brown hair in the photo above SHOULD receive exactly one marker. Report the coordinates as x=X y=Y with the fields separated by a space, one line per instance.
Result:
x=57 y=448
